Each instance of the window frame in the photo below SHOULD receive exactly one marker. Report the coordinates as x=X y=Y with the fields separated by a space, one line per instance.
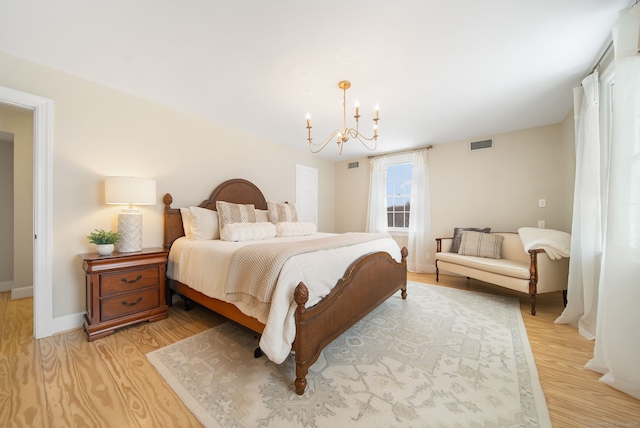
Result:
x=392 y=161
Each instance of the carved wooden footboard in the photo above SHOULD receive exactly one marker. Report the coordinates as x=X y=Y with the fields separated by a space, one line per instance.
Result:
x=367 y=283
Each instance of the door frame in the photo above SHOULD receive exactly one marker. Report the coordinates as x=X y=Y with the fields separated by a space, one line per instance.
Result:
x=42 y=205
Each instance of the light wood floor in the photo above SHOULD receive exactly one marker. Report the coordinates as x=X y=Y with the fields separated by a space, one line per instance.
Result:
x=65 y=381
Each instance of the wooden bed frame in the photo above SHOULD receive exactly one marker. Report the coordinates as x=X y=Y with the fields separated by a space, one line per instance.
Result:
x=367 y=282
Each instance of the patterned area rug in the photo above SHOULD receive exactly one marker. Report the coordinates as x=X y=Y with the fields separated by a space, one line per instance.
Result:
x=441 y=358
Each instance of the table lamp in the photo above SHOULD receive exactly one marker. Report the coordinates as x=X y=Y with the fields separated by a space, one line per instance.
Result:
x=129 y=191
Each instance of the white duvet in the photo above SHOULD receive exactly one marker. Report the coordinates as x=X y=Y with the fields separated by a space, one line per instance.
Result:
x=202 y=265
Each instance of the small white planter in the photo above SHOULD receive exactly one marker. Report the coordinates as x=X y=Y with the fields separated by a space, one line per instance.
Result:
x=105 y=249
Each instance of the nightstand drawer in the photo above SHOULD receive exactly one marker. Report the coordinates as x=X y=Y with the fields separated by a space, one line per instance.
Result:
x=130 y=280
x=125 y=304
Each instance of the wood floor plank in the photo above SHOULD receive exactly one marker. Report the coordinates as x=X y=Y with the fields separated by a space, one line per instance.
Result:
x=111 y=380
x=150 y=399
x=22 y=399
x=79 y=386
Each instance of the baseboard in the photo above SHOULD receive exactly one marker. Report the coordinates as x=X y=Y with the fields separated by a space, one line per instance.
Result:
x=67 y=322
x=6 y=286
x=21 y=293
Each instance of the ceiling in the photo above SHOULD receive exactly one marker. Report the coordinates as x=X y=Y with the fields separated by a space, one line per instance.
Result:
x=441 y=71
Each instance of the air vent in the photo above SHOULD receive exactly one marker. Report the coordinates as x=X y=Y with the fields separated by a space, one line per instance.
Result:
x=352 y=165
x=481 y=145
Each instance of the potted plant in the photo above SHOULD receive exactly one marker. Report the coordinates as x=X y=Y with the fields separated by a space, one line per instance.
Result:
x=104 y=240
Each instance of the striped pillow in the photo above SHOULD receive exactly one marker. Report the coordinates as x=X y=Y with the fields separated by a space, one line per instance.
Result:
x=481 y=244
x=235 y=213
x=281 y=212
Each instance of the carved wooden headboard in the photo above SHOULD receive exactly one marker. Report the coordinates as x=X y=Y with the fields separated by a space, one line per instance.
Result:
x=237 y=191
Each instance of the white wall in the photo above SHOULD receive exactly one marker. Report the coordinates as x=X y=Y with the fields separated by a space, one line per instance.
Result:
x=99 y=132
x=19 y=122
x=497 y=188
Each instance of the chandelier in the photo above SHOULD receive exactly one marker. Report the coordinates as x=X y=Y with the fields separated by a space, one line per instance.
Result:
x=342 y=136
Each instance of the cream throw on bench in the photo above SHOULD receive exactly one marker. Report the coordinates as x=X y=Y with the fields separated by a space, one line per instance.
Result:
x=254 y=269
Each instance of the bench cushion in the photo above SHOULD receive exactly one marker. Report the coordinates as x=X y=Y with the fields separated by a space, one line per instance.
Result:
x=505 y=267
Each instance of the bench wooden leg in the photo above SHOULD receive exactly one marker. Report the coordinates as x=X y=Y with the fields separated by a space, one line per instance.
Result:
x=533 y=304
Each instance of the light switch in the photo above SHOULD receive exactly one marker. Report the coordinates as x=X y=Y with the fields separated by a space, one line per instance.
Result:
x=542 y=203
x=540 y=224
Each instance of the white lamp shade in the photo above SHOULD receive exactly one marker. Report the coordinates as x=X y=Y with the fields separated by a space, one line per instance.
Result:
x=129 y=191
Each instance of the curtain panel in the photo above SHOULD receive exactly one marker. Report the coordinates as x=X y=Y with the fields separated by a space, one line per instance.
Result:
x=586 y=225
x=617 y=343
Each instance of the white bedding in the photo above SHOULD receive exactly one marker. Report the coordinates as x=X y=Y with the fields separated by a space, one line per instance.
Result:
x=202 y=265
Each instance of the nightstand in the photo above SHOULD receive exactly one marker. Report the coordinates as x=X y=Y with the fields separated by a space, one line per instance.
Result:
x=124 y=289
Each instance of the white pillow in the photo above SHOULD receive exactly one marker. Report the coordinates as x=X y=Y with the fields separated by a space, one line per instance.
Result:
x=187 y=221
x=237 y=232
x=204 y=224
x=295 y=228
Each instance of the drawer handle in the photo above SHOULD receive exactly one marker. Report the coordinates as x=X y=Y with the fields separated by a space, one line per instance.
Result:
x=124 y=302
x=131 y=281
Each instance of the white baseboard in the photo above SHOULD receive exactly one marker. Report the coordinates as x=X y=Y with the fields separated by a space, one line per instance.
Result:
x=67 y=322
x=21 y=293
x=6 y=286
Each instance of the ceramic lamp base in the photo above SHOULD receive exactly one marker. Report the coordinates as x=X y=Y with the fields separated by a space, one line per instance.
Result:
x=130 y=228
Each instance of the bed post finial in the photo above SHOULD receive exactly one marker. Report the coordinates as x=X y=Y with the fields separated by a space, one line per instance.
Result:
x=301 y=296
x=404 y=252
x=168 y=200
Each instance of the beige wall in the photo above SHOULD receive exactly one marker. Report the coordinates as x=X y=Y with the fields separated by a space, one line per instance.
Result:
x=19 y=122
x=498 y=187
x=100 y=132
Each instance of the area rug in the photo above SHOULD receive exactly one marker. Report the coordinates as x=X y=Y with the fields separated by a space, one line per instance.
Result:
x=441 y=358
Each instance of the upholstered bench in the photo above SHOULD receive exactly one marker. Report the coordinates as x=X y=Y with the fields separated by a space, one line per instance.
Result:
x=531 y=272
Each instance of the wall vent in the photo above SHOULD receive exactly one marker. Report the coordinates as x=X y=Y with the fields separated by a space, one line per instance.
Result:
x=352 y=165
x=481 y=145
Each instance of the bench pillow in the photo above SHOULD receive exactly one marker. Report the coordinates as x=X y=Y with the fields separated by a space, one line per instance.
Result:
x=480 y=244
x=457 y=235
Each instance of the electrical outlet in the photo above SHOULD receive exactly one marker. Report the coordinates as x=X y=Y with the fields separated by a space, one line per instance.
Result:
x=542 y=203
x=540 y=224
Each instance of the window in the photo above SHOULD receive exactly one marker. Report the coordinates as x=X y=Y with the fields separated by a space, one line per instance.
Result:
x=398 y=195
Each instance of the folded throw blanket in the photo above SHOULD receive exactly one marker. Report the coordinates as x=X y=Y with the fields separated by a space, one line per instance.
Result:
x=555 y=243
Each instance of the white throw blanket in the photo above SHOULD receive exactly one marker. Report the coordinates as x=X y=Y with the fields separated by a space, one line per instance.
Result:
x=555 y=243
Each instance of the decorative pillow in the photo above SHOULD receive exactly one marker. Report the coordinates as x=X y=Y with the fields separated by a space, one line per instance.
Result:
x=204 y=224
x=295 y=228
x=187 y=220
x=457 y=234
x=235 y=213
x=281 y=212
x=237 y=232
x=481 y=244
x=262 y=216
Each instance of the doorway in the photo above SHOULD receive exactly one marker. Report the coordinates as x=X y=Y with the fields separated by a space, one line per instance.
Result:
x=42 y=109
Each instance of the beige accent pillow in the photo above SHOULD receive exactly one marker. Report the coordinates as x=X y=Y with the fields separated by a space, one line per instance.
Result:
x=457 y=235
x=281 y=212
x=204 y=224
x=481 y=244
x=235 y=213
x=262 y=216
x=237 y=232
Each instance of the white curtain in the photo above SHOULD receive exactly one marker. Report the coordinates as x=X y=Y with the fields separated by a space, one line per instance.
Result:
x=586 y=229
x=617 y=345
x=377 y=212
x=419 y=259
